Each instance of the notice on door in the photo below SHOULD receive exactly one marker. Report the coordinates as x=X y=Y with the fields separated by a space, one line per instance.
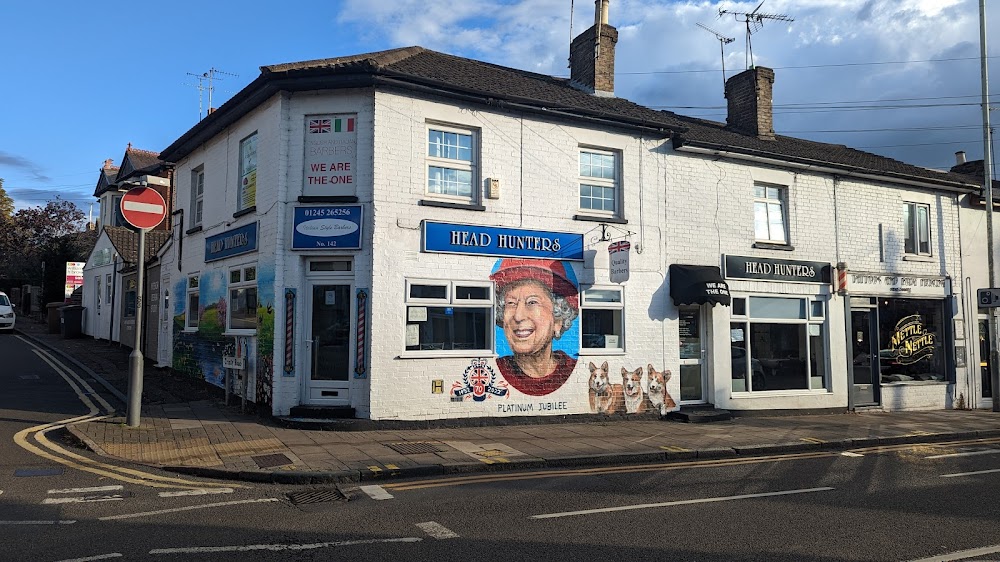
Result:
x=330 y=298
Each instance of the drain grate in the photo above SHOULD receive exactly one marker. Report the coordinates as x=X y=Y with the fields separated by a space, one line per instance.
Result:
x=271 y=461
x=317 y=496
x=414 y=447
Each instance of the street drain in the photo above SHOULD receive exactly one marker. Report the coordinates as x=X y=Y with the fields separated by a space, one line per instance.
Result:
x=271 y=461
x=414 y=447
x=317 y=496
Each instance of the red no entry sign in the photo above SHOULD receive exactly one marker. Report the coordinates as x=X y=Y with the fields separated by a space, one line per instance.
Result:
x=143 y=207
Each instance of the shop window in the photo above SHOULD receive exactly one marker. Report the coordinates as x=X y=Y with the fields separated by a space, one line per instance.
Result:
x=197 y=196
x=130 y=303
x=911 y=340
x=781 y=342
x=769 y=222
x=193 y=312
x=916 y=219
x=599 y=187
x=451 y=163
x=246 y=191
x=107 y=288
x=242 y=314
x=602 y=320
x=448 y=316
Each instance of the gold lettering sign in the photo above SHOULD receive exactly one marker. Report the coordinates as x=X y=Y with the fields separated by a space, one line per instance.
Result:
x=911 y=341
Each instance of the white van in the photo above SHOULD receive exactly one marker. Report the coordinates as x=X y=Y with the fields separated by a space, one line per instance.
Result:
x=7 y=315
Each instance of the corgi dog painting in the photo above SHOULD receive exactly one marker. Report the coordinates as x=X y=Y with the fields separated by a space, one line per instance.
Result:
x=635 y=399
x=605 y=397
x=658 y=395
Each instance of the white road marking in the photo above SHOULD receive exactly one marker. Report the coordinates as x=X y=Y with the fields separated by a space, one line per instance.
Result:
x=196 y=492
x=98 y=557
x=969 y=454
x=850 y=454
x=377 y=492
x=681 y=502
x=188 y=508
x=437 y=530
x=83 y=499
x=62 y=522
x=970 y=473
x=962 y=554
x=86 y=490
x=276 y=547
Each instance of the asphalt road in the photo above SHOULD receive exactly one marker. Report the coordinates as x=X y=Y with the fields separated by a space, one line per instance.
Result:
x=908 y=502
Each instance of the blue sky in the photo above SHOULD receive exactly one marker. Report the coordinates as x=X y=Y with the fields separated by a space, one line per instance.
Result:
x=112 y=72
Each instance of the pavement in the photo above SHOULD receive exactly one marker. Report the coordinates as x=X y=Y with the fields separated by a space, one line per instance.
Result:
x=208 y=438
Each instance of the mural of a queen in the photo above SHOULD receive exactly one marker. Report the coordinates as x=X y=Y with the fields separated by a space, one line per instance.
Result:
x=537 y=303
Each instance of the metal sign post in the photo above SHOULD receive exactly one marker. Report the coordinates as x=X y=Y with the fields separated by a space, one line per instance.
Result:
x=988 y=188
x=143 y=208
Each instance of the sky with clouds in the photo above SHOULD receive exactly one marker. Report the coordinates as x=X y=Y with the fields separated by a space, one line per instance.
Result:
x=899 y=78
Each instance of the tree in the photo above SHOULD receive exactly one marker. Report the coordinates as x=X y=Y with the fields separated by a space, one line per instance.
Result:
x=6 y=203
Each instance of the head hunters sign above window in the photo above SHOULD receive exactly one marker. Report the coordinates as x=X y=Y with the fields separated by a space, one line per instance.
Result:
x=497 y=241
x=230 y=243
x=770 y=269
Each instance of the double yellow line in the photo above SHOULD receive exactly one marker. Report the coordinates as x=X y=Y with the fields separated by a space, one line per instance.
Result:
x=45 y=448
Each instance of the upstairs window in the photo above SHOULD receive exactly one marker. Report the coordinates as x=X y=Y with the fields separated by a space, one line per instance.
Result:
x=917 y=224
x=769 y=214
x=197 y=195
x=451 y=163
x=599 y=189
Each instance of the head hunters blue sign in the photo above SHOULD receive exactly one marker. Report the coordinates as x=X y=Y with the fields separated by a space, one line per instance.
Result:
x=497 y=241
x=230 y=243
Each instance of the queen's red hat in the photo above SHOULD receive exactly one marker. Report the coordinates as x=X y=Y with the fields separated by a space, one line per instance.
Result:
x=549 y=273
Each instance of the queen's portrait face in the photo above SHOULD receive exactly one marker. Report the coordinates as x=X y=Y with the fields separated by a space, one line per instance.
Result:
x=529 y=322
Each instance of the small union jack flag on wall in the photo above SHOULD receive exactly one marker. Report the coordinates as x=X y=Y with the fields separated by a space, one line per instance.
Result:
x=619 y=247
x=319 y=125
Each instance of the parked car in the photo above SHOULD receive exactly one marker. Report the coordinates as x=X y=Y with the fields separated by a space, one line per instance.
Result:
x=740 y=368
x=7 y=316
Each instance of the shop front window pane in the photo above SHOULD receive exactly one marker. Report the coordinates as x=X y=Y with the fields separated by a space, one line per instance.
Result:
x=780 y=350
x=777 y=307
x=602 y=328
x=450 y=328
x=817 y=357
x=911 y=340
x=243 y=308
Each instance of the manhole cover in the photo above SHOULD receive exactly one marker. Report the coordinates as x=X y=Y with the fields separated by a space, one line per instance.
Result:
x=270 y=461
x=414 y=447
x=317 y=496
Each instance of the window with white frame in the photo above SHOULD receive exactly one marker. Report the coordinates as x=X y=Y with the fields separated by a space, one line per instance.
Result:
x=449 y=316
x=917 y=225
x=131 y=298
x=451 y=163
x=108 y=287
x=780 y=341
x=602 y=315
x=197 y=195
x=193 y=312
x=769 y=220
x=242 y=314
x=599 y=186
x=97 y=283
x=246 y=191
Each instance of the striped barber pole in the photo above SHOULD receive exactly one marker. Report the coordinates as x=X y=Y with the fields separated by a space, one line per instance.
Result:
x=841 y=278
x=361 y=365
x=289 y=331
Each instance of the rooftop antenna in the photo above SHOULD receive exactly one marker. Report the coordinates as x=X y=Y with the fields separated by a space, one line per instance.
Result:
x=723 y=41
x=210 y=76
x=754 y=22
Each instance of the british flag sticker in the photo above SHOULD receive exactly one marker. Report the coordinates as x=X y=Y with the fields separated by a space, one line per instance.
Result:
x=319 y=125
x=479 y=382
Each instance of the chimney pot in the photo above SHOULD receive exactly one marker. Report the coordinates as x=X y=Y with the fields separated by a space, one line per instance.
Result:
x=960 y=157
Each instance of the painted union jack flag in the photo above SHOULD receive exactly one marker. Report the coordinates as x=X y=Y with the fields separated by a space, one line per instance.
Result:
x=319 y=125
x=619 y=247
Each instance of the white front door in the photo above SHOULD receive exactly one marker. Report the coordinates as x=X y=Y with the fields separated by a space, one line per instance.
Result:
x=692 y=355
x=330 y=358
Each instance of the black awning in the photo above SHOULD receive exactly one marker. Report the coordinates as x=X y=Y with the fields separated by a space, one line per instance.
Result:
x=698 y=284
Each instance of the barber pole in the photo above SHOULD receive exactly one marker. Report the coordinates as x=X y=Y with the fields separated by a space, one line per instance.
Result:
x=841 y=278
x=361 y=367
x=289 y=331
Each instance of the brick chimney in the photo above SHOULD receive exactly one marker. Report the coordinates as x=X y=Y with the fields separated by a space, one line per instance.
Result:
x=592 y=55
x=748 y=95
x=108 y=164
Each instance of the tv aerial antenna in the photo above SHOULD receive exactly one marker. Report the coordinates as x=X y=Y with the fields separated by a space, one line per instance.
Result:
x=723 y=41
x=754 y=22
x=211 y=76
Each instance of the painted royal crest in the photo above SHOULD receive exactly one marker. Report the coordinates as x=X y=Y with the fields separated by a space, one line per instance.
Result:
x=479 y=382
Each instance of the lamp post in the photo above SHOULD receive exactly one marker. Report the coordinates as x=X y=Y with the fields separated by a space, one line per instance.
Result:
x=988 y=191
